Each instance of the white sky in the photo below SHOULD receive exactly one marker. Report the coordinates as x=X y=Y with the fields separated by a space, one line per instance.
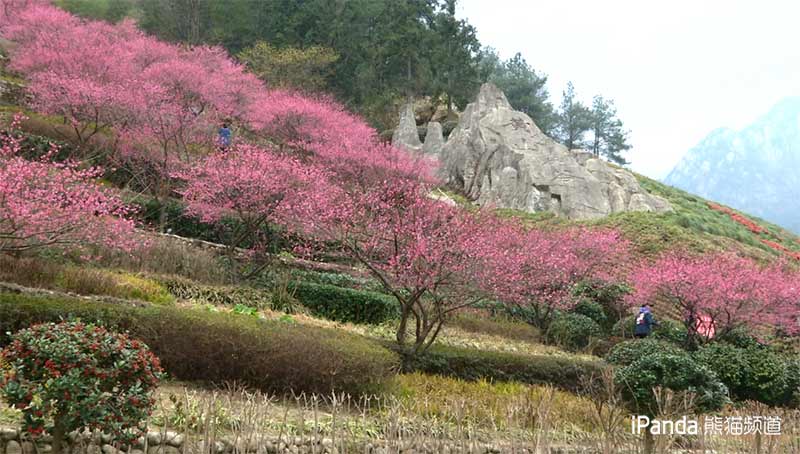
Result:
x=676 y=70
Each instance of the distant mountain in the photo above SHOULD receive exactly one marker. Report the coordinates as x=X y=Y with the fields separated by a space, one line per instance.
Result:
x=756 y=169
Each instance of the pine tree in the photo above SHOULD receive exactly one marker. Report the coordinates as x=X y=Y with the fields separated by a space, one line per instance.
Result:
x=610 y=138
x=574 y=120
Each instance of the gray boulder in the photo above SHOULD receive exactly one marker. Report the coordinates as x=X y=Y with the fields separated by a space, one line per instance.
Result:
x=497 y=155
x=434 y=140
x=406 y=135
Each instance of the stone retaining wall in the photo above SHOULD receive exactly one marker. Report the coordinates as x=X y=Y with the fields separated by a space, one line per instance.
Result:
x=13 y=441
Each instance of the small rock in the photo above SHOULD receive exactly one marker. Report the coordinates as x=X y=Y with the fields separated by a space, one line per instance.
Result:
x=219 y=447
x=44 y=448
x=93 y=449
x=8 y=434
x=154 y=438
x=174 y=439
x=13 y=448
x=108 y=449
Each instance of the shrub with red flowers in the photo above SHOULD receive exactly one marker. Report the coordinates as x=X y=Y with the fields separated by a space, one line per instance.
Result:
x=73 y=375
x=750 y=225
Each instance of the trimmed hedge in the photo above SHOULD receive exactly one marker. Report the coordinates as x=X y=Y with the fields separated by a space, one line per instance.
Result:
x=217 y=347
x=752 y=373
x=336 y=279
x=627 y=352
x=471 y=364
x=345 y=304
x=573 y=331
x=186 y=289
x=676 y=371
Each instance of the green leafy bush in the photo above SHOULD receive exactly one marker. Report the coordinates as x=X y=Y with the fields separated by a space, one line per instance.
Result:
x=677 y=372
x=344 y=304
x=217 y=295
x=337 y=279
x=472 y=364
x=739 y=337
x=72 y=375
x=592 y=310
x=666 y=329
x=609 y=295
x=573 y=331
x=670 y=331
x=624 y=327
x=627 y=352
x=752 y=373
x=501 y=327
x=215 y=347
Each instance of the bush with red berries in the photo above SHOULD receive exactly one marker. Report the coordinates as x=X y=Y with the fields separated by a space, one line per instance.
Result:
x=72 y=375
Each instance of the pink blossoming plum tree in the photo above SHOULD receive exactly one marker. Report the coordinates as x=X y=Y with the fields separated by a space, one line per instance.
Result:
x=46 y=204
x=254 y=186
x=433 y=258
x=724 y=290
x=546 y=265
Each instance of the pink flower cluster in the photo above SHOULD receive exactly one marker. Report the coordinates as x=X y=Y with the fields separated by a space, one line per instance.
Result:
x=43 y=203
x=729 y=290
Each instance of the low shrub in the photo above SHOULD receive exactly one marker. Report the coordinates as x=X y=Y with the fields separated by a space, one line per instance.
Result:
x=752 y=373
x=592 y=310
x=503 y=405
x=609 y=295
x=344 y=304
x=471 y=364
x=674 y=371
x=336 y=279
x=185 y=289
x=573 y=331
x=170 y=256
x=496 y=327
x=72 y=376
x=666 y=329
x=624 y=327
x=739 y=337
x=625 y=353
x=31 y=272
x=195 y=344
x=670 y=331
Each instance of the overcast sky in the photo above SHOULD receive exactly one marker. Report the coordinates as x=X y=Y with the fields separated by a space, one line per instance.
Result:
x=677 y=70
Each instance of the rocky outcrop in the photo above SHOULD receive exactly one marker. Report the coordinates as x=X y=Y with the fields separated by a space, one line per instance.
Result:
x=406 y=135
x=498 y=155
x=434 y=139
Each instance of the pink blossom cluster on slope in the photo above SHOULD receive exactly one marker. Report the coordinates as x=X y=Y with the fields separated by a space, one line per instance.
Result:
x=729 y=290
x=160 y=98
x=43 y=203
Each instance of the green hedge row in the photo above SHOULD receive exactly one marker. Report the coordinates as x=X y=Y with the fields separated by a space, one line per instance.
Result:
x=471 y=364
x=218 y=295
x=195 y=344
x=345 y=304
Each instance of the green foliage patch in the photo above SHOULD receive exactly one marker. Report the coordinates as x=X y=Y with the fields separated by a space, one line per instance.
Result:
x=345 y=304
x=470 y=364
x=218 y=347
x=573 y=331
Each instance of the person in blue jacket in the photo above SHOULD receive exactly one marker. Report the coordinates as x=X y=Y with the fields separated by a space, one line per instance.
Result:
x=644 y=322
x=224 y=136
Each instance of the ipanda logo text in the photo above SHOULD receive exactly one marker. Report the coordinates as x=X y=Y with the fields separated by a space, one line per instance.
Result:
x=682 y=426
x=712 y=425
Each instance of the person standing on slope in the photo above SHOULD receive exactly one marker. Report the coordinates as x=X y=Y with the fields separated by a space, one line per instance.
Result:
x=224 y=139
x=644 y=322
